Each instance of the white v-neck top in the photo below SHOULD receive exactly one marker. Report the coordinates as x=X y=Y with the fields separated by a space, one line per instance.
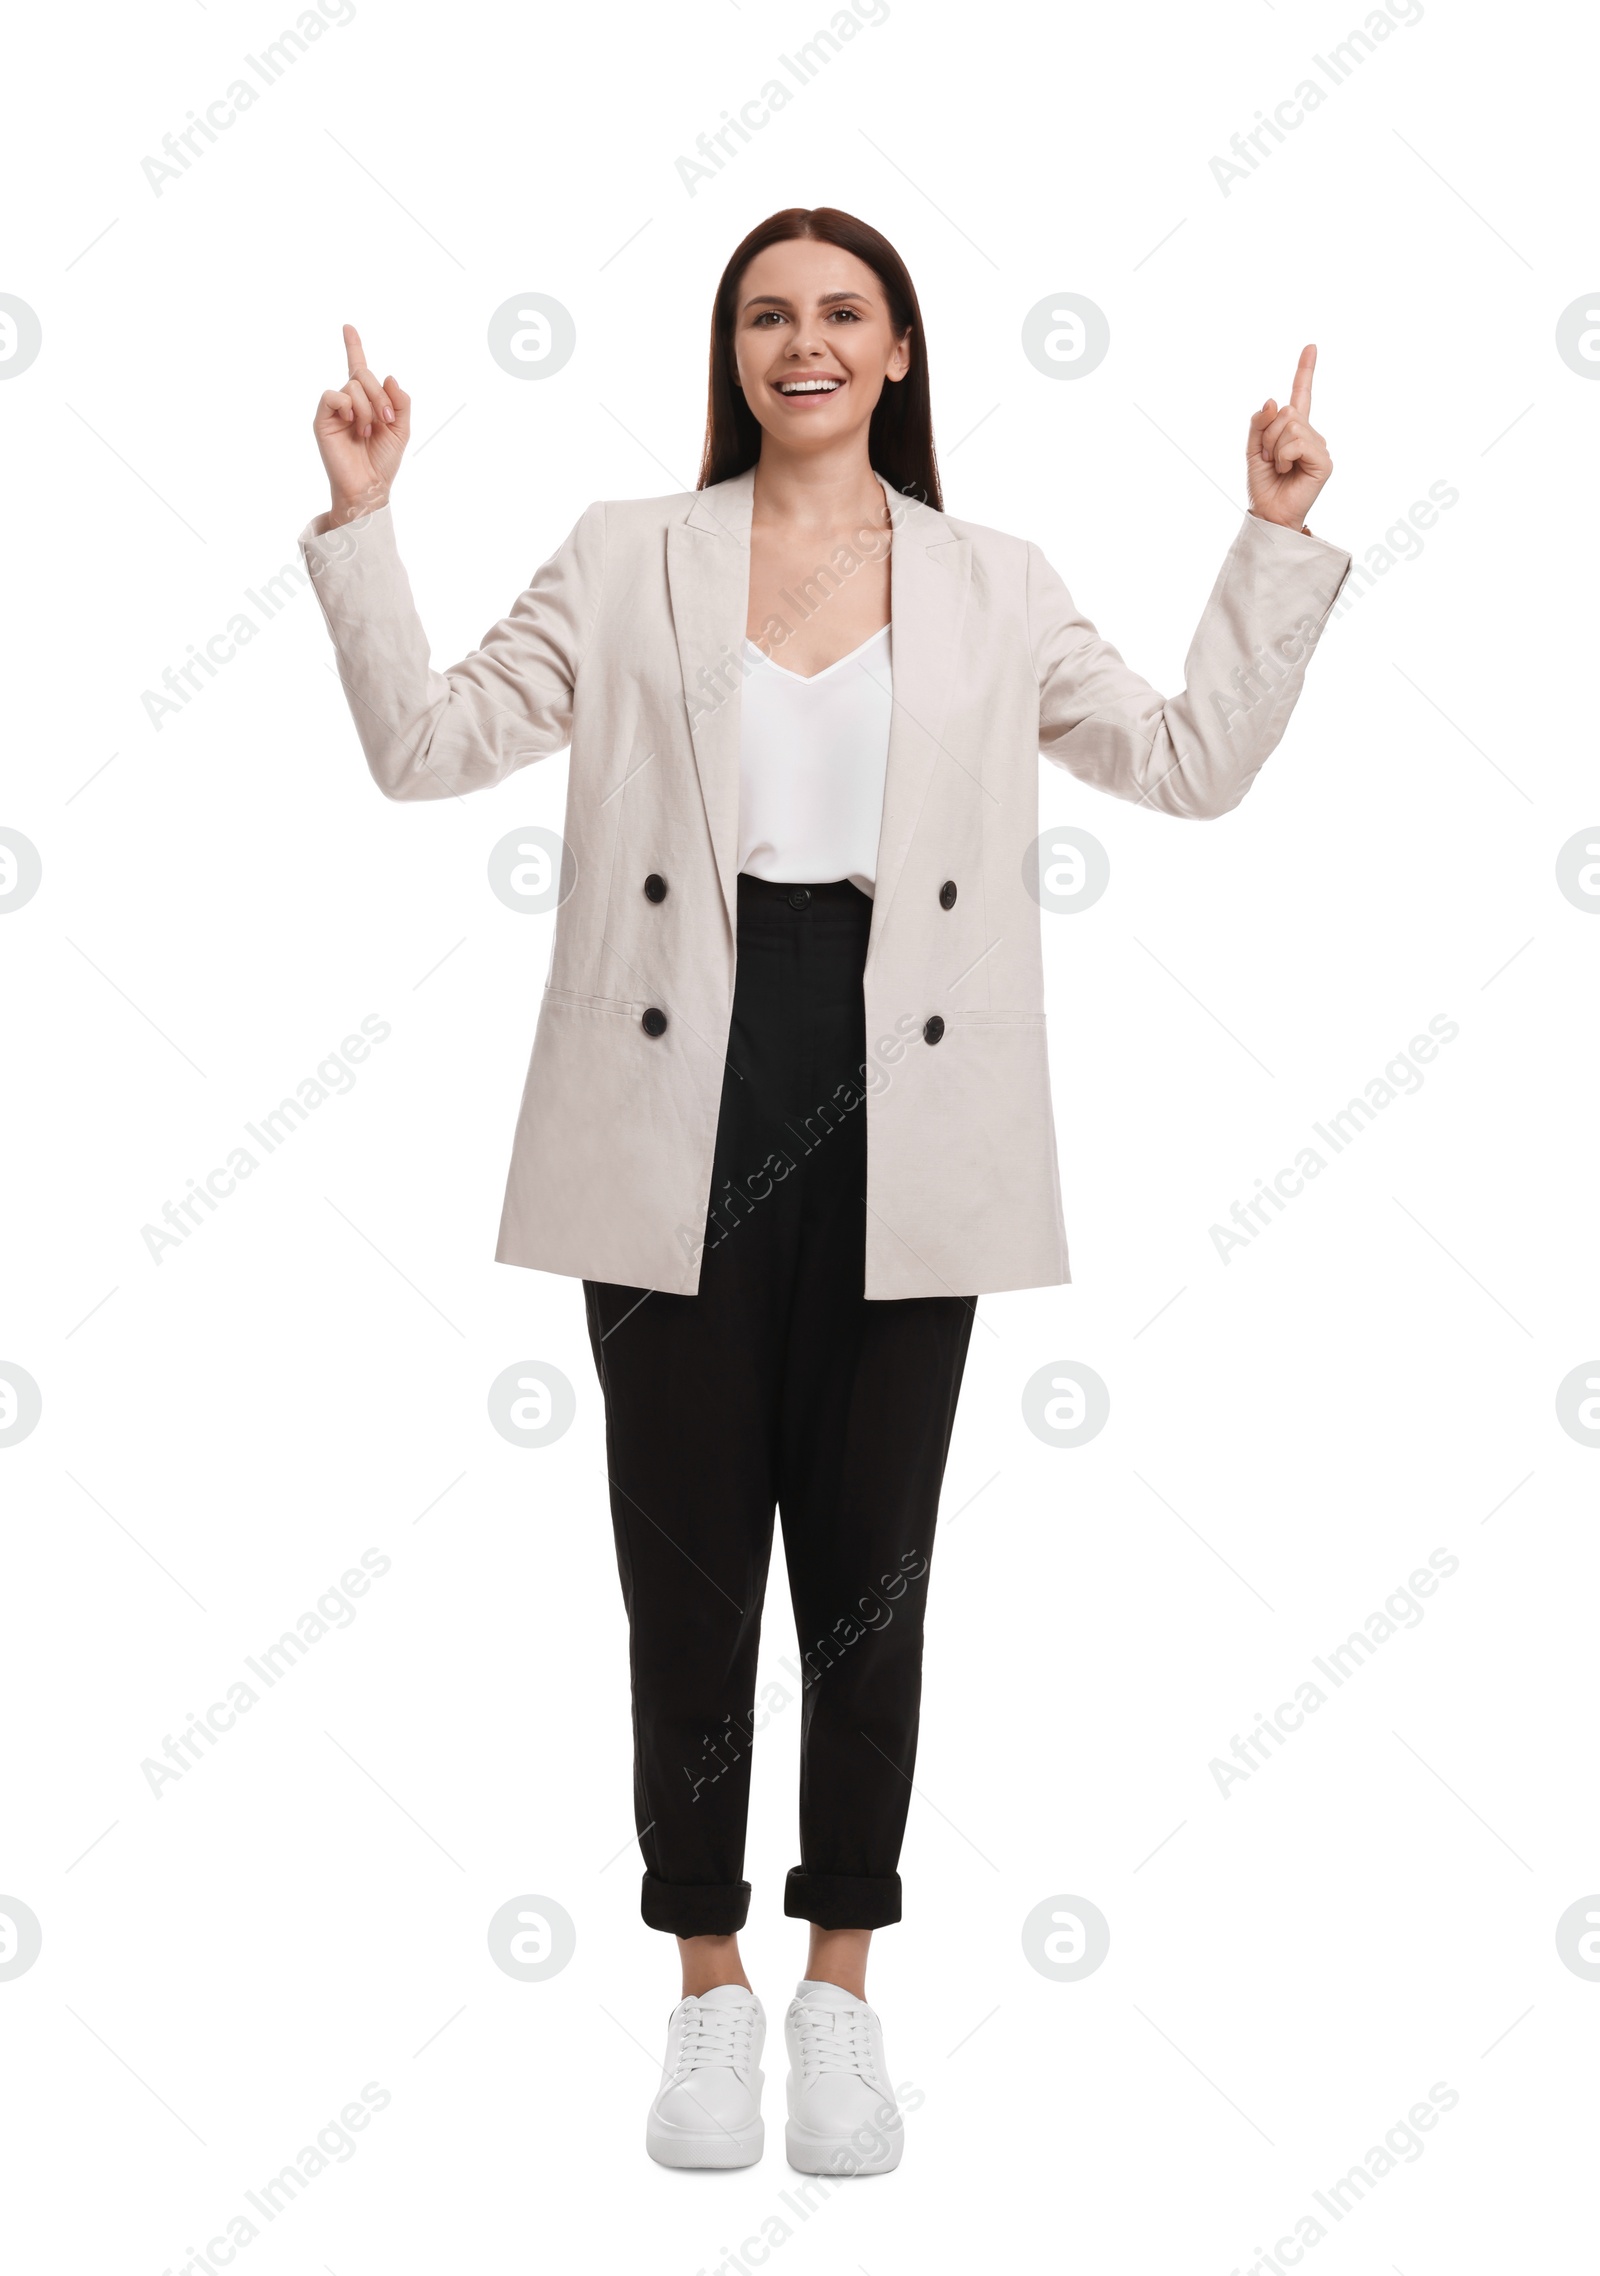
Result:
x=813 y=754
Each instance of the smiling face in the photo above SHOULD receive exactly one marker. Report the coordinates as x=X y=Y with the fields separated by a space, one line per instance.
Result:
x=813 y=344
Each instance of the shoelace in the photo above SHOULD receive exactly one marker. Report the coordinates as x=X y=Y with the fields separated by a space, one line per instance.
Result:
x=833 y=2039
x=715 y=2038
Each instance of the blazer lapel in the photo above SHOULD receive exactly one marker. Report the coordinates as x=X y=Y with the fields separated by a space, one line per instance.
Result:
x=929 y=575
x=708 y=576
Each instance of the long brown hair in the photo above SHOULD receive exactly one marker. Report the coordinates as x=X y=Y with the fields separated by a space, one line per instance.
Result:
x=900 y=437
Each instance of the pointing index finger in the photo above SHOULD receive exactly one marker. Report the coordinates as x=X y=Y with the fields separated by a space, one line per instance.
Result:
x=1300 y=393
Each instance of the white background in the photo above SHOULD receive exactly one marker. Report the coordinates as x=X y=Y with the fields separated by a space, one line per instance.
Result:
x=1291 y=1432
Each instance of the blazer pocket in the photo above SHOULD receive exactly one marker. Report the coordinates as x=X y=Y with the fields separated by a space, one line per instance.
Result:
x=570 y=998
x=994 y=1019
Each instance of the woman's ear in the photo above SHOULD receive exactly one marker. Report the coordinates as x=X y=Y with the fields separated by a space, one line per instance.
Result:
x=900 y=357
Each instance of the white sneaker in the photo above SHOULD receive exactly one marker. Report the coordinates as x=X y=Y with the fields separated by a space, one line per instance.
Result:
x=843 y=2118
x=707 y=2110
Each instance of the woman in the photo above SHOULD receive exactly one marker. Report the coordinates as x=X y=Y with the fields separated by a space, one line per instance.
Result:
x=788 y=1112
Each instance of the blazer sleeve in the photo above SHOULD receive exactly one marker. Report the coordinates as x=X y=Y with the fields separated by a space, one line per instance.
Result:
x=1194 y=754
x=431 y=734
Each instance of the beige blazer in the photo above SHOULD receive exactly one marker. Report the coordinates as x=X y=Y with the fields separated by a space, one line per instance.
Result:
x=628 y=645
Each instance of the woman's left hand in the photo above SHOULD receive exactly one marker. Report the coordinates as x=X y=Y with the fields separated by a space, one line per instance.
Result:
x=1285 y=458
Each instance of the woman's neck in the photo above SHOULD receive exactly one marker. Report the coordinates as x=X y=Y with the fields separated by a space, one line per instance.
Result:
x=817 y=495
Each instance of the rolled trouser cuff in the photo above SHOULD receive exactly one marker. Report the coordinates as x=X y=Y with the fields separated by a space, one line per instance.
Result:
x=842 y=1900
x=695 y=1908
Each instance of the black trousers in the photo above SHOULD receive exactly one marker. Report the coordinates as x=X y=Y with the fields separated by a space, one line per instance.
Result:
x=779 y=1384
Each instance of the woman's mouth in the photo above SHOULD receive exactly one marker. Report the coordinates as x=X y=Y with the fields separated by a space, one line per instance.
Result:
x=804 y=387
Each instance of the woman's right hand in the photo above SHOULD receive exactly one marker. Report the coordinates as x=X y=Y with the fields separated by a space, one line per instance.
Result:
x=362 y=430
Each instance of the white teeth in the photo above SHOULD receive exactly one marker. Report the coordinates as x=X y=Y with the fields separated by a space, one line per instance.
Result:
x=808 y=386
